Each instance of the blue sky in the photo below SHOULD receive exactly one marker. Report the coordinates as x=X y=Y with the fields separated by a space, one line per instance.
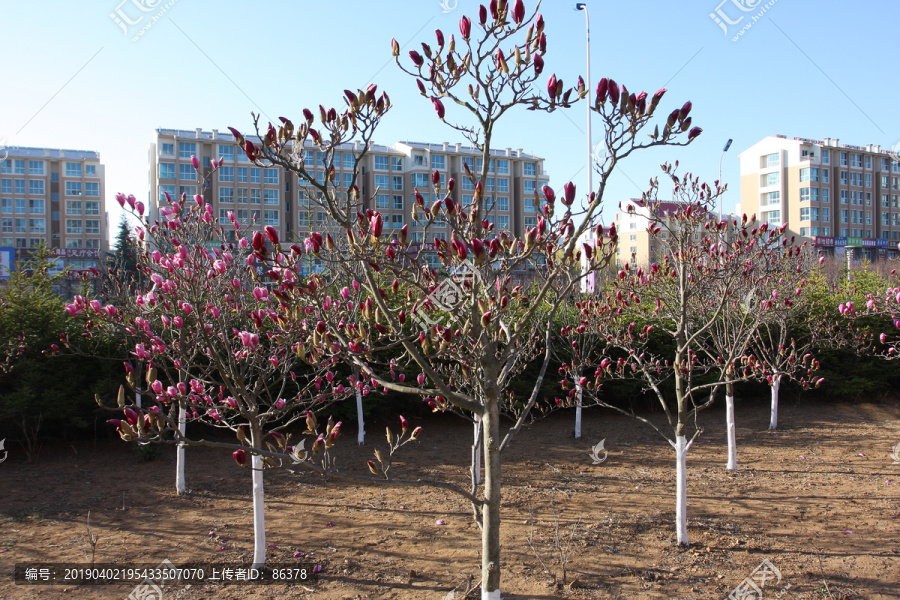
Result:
x=72 y=78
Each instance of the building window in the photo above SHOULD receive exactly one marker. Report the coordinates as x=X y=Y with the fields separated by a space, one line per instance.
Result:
x=382 y=202
x=383 y=182
x=92 y=226
x=91 y=207
x=769 y=160
x=844 y=218
x=804 y=213
x=6 y=186
x=773 y=198
x=20 y=206
x=398 y=202
x=73 y=207
x=6 y=168
x=826 y=193
x=35 y=167
x=226 y=152
x=74 y=243
x=438 y=161
x=382 y=163
x=226 y=174
x=528 y=189
x=270 y=176
x=868 y=180
x=804 y=174
x=255 y=196
x=188 y=191
x=226 y=194
x=804 y=196
x=468 y=185
x=826 y=215
x=73 y=226
x=529 y=169
x=255 y=175
x=814 y=194
x=348 y=179
x=397 y=162
x=303 y=218
x=503 y=203
x=503 y=222
x=36 y=187
x=92 y=188
x=843 y=159
x=73 y=188
x=167 y=149
x=36 y=207
x=242 y=174
x=396 y=182
x=397 y=221
x=270 y=197
x=422 y=180
x=166 y=170
x=349 y=160
x=502 y=166
x=187 y=149
x=186 y=172
x=843 y=196
x=771 y=179
x=73 y=169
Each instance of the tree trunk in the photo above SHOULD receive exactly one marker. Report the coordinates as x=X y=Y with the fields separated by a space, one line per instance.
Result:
x=730 y=427
x=490 y=530
x=681 y=490
x=578 y=397
x=476 y=452
x=773 y=415
x=259 y=507
x=180 y=482
x=361 y=436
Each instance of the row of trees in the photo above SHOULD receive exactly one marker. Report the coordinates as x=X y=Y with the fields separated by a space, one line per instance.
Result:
x=211 y=339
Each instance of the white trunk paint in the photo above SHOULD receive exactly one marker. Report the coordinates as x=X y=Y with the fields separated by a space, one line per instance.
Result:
x=361 y=436
x=476 y=452
x=180 y=483
x=578 y=396
x=486 y=595
x=773 y=415
x=681 y=448
x=732 y=441
x=259 y=514
x=137 y=390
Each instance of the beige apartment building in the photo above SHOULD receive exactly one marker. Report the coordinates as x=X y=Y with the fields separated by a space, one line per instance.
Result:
x=837 y=196
x=388 y=177
x=55 y=197
x=635 y=240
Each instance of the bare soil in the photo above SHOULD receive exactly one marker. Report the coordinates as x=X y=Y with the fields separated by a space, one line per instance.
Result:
x=819 y=498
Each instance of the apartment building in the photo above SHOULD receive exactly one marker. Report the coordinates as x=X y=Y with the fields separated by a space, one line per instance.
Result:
x=635 y=241
x=388 y=178
x=837 y=196
x=55 y=197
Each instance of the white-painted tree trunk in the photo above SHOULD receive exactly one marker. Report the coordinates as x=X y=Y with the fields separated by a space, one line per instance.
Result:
x=730 y=427
x=476 y=452
x=361 y=436
x=259 y=513
x=578 y=398
x=486 y=595
x=773 y=415
x=137 y=390
x=180 y=482
x=681 y=448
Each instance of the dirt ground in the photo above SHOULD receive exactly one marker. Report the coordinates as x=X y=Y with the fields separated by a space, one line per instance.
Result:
x=819 y=499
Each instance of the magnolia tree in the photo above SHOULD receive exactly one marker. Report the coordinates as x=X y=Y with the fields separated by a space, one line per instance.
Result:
x=795 y=324
x=870 y=319
x=218 y=346
x=705 y=270
x=451 y=312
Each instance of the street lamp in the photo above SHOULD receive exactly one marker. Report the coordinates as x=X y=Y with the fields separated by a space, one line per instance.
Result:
x=587 y=29
x=724 y=150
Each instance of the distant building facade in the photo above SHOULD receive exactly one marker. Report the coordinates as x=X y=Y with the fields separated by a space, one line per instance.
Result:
x=55 y=197
x=836 y=196
x=388 y=178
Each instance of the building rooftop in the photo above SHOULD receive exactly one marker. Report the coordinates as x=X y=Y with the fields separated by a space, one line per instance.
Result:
x=23 y=152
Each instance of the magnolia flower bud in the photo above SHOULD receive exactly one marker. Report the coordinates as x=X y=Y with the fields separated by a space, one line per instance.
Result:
x=195 y=162
x=465 y=26
x=240 y=457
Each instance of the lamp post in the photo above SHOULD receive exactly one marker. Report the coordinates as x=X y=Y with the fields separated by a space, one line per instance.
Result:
x=587 y=30
x=724 y=150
